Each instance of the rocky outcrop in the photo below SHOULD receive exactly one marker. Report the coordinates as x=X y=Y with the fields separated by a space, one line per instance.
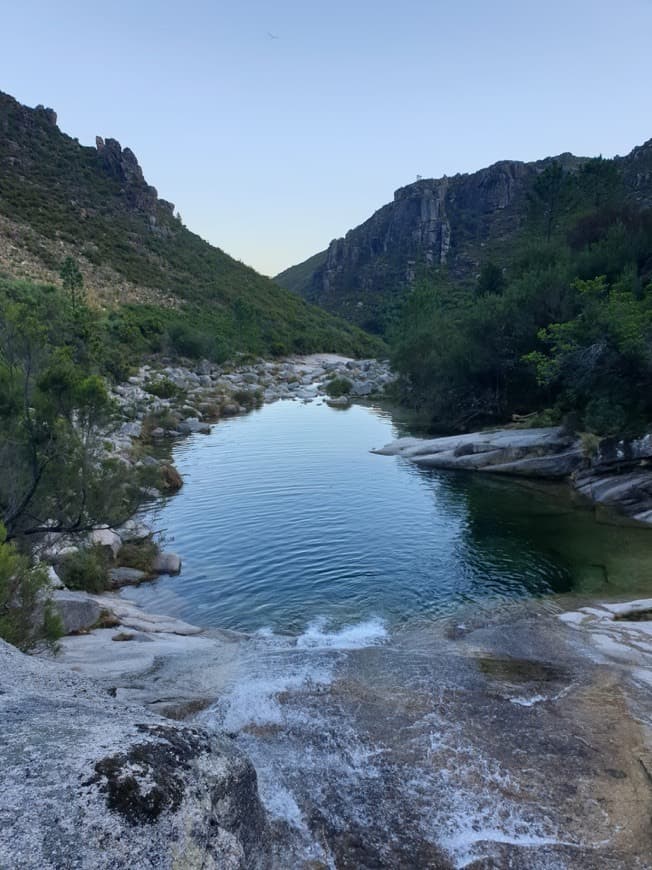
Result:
x=121 y=165
x=77 y=610
x=430 y=223
x=620 y=475
x=548 y=452
x=92 y=783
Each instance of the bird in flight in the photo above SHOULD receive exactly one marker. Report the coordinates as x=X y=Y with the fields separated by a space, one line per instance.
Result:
x=272 y=35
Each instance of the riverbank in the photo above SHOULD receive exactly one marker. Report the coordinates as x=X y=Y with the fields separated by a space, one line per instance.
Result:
x=612 y=473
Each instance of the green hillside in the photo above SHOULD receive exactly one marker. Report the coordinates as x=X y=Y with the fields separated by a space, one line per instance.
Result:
x=59 y=198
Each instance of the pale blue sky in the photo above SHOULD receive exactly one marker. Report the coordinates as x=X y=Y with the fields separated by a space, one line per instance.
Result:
x=272 y=147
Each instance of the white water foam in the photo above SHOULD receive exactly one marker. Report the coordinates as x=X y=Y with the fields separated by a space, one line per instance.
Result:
x=371 y=632
x=253 y=699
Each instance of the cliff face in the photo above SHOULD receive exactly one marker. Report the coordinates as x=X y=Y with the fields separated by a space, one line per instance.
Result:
x=433 y=223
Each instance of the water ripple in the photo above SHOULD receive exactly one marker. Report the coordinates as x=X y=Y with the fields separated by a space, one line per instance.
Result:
x=285 y=517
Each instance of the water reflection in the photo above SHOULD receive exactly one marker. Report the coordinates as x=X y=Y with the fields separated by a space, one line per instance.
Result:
x=286 y=516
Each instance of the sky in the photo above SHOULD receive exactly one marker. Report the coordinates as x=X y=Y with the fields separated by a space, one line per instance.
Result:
x=277 y=126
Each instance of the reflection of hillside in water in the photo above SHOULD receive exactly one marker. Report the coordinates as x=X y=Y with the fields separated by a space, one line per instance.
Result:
x=532 y=538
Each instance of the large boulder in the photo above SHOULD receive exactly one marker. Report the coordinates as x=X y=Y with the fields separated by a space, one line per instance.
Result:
x=89 y=782
x=192 y=424
x=78 y=610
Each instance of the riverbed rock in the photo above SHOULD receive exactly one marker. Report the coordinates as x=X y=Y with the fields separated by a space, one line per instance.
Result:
x=362 y=388
x=119 y=577
x=630 y=491
x=192 y=425
x=547 y=452
x=89 y=782
x=338 y=402
x=54 y=580
x=618 y=476
x=166 y=563
x=134 y=531
x=78 y=610
x=132 y=430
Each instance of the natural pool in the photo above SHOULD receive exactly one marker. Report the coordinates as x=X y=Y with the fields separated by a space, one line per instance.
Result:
x=285 y=517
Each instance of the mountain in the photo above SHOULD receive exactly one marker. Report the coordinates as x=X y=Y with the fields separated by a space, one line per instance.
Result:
x=446 y=224
x=59 y=199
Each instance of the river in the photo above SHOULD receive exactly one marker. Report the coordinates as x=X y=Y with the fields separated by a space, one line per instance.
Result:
x=402 y=682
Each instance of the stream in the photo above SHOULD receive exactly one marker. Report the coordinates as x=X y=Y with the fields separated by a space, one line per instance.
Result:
x=402 y=682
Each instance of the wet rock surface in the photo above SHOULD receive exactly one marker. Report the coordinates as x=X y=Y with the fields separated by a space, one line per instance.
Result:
x=493 y=740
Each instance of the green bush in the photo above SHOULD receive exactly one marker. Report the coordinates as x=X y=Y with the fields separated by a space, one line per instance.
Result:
x=87 y=569
x=339 y=387
x=187 y=341
x=163 y=388
x=27 y=617
x=604 y=416
x=140 y=555
x=248 y=398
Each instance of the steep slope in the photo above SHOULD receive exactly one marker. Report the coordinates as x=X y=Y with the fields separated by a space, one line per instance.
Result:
x=59 y=198
x=453 y=223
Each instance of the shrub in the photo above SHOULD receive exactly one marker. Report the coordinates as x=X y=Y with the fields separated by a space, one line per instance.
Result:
x=248 y=398
x=339 y=387
x=187 y=341
x=27 y=616
x=590 y=444
x=138 y=555
x=87 y=569
x=170 y=479
x=604 y=417
x=163 y=388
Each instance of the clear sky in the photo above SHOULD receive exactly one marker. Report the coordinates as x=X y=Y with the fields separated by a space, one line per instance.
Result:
x=277 y=126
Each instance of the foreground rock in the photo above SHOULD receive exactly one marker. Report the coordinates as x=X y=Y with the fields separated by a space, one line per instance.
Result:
x=617 y=474
x=89 y=782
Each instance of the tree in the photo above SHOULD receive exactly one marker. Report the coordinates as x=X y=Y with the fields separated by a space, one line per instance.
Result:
x=54 y=419
x=548 y=195
x=72 y=279
x=491 y=280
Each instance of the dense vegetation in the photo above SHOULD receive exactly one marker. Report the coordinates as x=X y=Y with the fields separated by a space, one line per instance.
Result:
x=55 y=414
x=559 y=324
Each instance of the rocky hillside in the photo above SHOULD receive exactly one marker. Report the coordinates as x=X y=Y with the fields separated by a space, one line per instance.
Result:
x=456 y=223
x=59 y=198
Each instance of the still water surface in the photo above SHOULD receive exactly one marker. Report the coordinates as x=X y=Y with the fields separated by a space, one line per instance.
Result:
x=286 y=517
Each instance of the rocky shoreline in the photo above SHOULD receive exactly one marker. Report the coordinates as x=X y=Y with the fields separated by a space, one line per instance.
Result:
x=97 y=772
x=613 y=473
